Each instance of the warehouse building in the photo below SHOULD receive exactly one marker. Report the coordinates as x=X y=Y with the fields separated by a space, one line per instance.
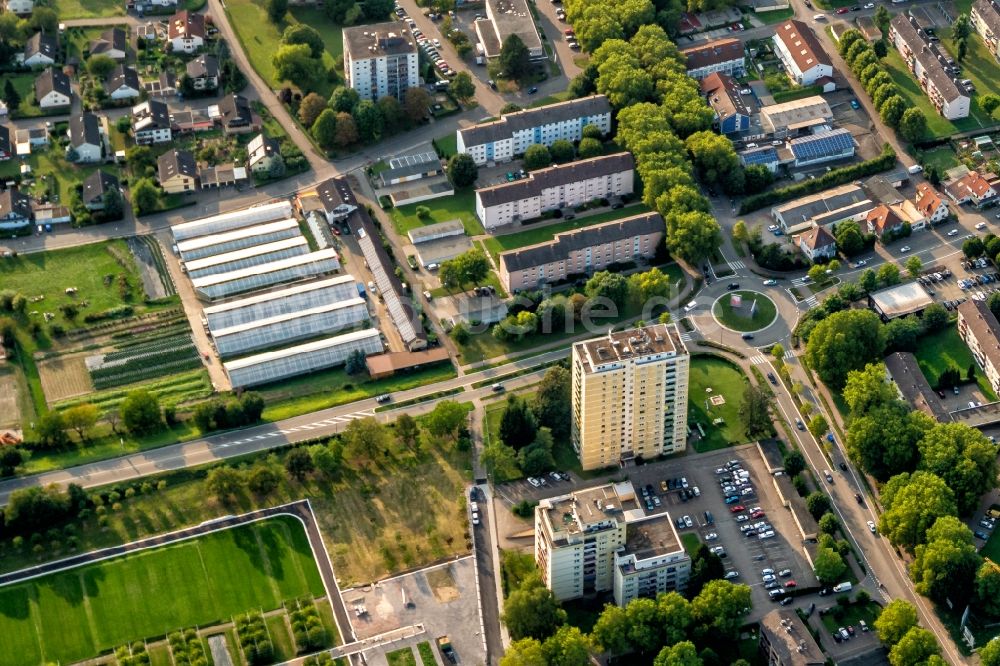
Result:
x=230 y=241
x=248 y=257
x=290 y=327
x=822 y=147
x=221 y=285
x=293 y=361
x=282 y=301
x=237 y=219
x=899 y=301
x=790 y=118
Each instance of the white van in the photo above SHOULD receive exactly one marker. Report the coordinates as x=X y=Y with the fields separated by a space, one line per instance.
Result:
x=819 y=17
x=916 y=168
x=842 y=587
x=690 y=306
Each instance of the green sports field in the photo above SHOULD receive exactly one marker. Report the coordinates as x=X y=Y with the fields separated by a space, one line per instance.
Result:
x=76 y=614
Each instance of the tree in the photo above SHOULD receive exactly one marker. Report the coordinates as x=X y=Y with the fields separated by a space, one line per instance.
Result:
x=842 y=342
x=446 y=419
x=818 y=504
x=892 y=109
x=755 y=410
x=366 y=437
x=416 y=101
x=607 y=285
x=518 y=426
x=987 y=588
x=10 y=459
x=525 y=652
x=44 y=19
x=828 y=523
x=551 y=405
x=914 y=648
x=343 y=99
x=562 y=151
x=913 y=124
x=963 y=458
x=393 y=116
x=51 y=430
x=989 y=102
x=848 y=39
x=537 y=155
x=462 y=87
x=299 y=463
x=567 y=647
x=532 y=612
x=329 y=458
x=867 y=389
x=589 y=148
x=501 y=461
x=100 y=66
x=897 y=618
x=902 y=334
x=263 y=480
x=642 y=287
x=276 y=9
x=145 y=196
x=141 y=413
x=82 y=418
x=295 y=63
x=888 y=275
x=793 y=462
x=713 y=156
x=817 y=272
x=224 y=482
x=989 y=654
x=973 y=247
x=693 y=235
x=914 y=265
x=883 y=441
x=301 y=33
x=114 y=206
x=818 y=426
x=375 y=10
x=611 y=631
x=324 y=129
x=679 y=654
x=470 y=267
x=369 y=121
x=882 y=19
x=310 y=107
x=719 y=609
x=355 y=362
x=10 y=96
x=705 y=566
x=515 y=60
x=913 y=502
x=828 y=565
x=849 y=238
x=462 y=170
x=935 y=317
x=945 y=567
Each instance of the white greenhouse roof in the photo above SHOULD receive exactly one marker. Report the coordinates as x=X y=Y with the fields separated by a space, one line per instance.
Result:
x=271 y=267
x=280 y=293
x=306 y=348
x=245 y=253
x=200 y=242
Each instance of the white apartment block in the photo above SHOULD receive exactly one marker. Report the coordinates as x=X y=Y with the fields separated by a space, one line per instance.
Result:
x=921 y=56
x=502 y=140
x=629 y=395
x=560 y=186
x=985 y=18
x=601 y=539
x=380 y=60
x=721 y=55
x=801 y=53
x=980 y=330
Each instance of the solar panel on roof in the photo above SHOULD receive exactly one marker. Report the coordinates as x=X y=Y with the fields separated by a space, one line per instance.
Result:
x=820 y=145
x=407 y=160
x=760 y=157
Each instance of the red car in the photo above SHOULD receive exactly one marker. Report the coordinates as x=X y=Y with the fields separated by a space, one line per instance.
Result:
x=790 y=583
x=843 y=10
x=737 y=508
x=757 y=514
x=569 y=32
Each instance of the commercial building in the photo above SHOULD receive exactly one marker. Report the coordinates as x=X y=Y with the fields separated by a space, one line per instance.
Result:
x=790 y=118
x=281 y=302
x=903 y=370
x=930 y=67
x=629 y=395
x=765 y=156
x=388 y=364
x=732 y=113
x=284 y=328
x=380 y=60
x=721 y=55
x=985 y=17
x=247 y=257
x=601 y=539
x=301 y=359
x=899 y=301
x=822 y=147
x=785 y=640
x=501 y=140
x=980 y=330
x=221 y=285
x=503 y=19
x=561 y=186
x=798 y=214
x=237 y=219
x=581 y=252
x=800 y=52
x=237 y=239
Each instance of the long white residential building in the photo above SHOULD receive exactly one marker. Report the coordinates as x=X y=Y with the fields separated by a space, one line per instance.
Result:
x=801 y=53
x=921 y=56
x=560 y=186
x=380 y=60
x=290 y=327
x=221 y=285
x=601 y=539
x=237 y=219
x=230 y=241
x=281 y=301
x=248 y=257
x=501 y=140
x=298 y=360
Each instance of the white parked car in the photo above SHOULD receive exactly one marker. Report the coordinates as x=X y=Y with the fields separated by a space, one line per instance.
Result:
x=770 y=283
x=688 y=522
x=871 y=527
x=711 y=536
x=905 y=248
x=768 y=578
x=533 y=481
x=981 y=226
x=953 y=232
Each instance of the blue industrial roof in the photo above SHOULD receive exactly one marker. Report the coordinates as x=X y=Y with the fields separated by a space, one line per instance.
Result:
x=834 y=142
x=759 y=156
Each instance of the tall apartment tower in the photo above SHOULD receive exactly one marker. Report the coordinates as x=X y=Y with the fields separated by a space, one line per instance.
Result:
x=380 y=60
x=630 y=391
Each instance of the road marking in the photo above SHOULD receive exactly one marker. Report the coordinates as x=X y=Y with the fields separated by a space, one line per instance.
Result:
x=811 y=302
x=758 y=359
x=687 y=337
x=789 y=354
x=736 y=265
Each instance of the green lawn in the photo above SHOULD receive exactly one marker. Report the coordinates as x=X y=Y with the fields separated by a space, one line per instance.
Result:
x=941 y=158
x=690 y=541
x=979 y=66
x=491 y=280
x=776 y=16
x=937 y=352
x=402 y=657
x=991 y=548
x=78 y=9
x=551 y=99
x=460 y=206
x=739 y=319
x=544 y=231
x=76 y=614
x=867 y=612
x=447 y=144
x=53 y=174
x=24 y=84
x=727 y=380
x=426 y=654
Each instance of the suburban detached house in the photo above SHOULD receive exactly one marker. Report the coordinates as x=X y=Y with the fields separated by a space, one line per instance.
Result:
x=186 y=32
x=153 y=5
x=85 y=138
x=19 y=7
x=95 y=186
x=930 y=203
x=41 y=50
x=978 y=189
x=262 y=152
x=112 y=43
x=15 y=209
x=177 y=171
x=882 y=220
x=817 y=243
x=53 y=89
x=233 y=112
x=204 y=72
x=6 y=145
x=151 y=122
x=123 y=84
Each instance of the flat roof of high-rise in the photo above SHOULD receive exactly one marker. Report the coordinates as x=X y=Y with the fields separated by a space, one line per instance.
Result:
x=378 y=40
x=632 y=343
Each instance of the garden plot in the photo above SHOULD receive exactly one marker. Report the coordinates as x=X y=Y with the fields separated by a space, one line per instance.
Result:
x=143 y=361
x=8 y=399
x=64 y=377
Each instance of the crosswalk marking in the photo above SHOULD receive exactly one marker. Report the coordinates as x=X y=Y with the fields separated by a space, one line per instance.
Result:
x=758 y=359
x=811 y=302
x=736 y=264
x=687 y=337
x=789 y=354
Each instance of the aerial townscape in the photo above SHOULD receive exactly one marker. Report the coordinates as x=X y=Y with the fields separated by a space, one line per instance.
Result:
x=499 y=332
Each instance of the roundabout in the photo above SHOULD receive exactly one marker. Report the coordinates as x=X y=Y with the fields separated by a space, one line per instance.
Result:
x=744 y=311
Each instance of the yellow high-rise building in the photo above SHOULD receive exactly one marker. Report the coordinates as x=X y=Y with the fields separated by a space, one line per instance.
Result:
x=630 y=392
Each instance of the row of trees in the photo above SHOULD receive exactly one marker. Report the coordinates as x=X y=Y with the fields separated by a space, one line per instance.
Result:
x=346 y=119
x=908 y=644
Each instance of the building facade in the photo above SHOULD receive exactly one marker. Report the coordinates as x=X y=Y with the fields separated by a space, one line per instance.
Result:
x=560 y=186
x=502 y=140
x=629 y=395
x=924 y=59
x=930 y=203
x=151 y=123
x=731 y=112
x=721 y=55
x=380 y=60
x=980 y=330
x=985 y=18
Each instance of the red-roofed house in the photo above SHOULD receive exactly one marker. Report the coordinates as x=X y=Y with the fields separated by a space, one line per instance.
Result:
x=186 y=32
x=882 y=220
x=975 y=188
x=804 y=58
x=930 y=203
x=817 y=243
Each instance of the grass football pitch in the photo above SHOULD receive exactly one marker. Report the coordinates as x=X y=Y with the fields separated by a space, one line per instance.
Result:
x=76 y=614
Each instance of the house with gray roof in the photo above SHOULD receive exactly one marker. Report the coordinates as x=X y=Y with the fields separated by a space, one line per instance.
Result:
x=85 y=138
x=95 y=186
x=113 y=43
x=53 y=89
x=123 y=84
x=41 y=49
x=929 y=66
